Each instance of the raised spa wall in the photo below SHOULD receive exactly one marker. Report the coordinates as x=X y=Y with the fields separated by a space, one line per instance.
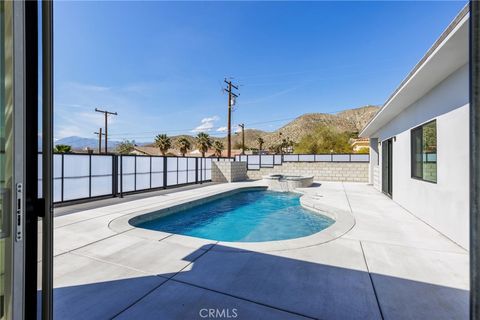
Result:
x=229 y=171
x=281 y=183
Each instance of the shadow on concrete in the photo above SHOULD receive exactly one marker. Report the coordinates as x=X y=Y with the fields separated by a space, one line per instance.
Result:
x=260 y=286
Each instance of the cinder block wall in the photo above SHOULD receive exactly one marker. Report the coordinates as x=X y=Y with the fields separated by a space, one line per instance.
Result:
x=225 y=171
x=322 y=171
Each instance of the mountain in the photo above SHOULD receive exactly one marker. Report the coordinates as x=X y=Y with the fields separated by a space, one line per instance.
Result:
x=80 y=143
x=352 y=121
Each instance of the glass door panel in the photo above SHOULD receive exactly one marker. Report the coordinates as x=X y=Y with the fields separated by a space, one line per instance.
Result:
x=6 y=141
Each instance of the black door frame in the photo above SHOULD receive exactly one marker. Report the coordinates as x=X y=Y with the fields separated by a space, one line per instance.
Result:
x=32 y=209
x=387 y=167
x=36 y=208
x=474 y=159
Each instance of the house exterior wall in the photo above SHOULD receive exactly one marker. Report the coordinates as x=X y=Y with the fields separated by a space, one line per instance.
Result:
x=322 y=171
x=443 y=205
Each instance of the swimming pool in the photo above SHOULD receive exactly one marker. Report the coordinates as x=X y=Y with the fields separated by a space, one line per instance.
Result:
x=245 y=216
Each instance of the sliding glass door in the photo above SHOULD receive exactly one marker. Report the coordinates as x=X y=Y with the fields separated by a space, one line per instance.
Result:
x=12 y=111
x=6 y=106
x=387 y=153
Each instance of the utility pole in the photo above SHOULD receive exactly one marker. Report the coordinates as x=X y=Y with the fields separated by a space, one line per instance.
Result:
x=231 y=102
x=106 y=113
x=100 y=134
x=243 y=137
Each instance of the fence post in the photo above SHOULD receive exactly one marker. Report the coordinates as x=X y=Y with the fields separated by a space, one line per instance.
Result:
x=135 y=173
x=164 y=172
x=89 y=175
x=121 y=176
x=259 y=161
x=186 y=168
x=201 y=170
x=114 y=175
x=150 y=172
x=196 y=170
x=63 y=174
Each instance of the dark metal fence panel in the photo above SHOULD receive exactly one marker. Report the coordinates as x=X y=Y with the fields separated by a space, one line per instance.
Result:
x=277 y=159
x=290 y=158
x=86 y=176
x=101 y=175
x=266 y=161
x=76 y=176
x=306 y=157
x=255 y=162
x=172 y=175
x=157 y=172
x=128 y=173
x=323 y=157
x=142 y=173
x=182 y=169
x=340 y=157
x=359 y=157
x=208 y=169
x=191 y=169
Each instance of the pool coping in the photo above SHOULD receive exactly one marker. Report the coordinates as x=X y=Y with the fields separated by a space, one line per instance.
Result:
x=344 y=222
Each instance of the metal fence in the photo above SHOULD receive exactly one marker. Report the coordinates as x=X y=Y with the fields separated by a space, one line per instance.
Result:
x=86 y=176
x=255 y=162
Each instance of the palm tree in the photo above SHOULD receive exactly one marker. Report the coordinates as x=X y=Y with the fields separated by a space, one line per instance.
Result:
x=260 y=142
x=183 y=145
x=203 y=142
x=163 y=142
x=62 y=148
x=218 y=146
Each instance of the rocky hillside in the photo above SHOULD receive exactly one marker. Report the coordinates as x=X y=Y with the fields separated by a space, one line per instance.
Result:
x=352 y=120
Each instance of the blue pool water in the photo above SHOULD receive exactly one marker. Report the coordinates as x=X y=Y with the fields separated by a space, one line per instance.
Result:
x=247 y=216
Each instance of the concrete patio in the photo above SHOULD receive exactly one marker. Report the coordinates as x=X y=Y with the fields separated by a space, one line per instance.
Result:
x=390 y=265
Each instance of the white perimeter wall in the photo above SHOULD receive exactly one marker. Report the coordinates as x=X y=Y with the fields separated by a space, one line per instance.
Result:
x=444 y=205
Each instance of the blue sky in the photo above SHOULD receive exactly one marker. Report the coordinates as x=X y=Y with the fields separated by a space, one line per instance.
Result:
x=161 y=65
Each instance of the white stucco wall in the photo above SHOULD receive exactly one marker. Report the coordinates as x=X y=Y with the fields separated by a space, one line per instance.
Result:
x=445 y=204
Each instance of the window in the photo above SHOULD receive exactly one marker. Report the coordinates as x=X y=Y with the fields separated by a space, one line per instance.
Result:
x=424 y=152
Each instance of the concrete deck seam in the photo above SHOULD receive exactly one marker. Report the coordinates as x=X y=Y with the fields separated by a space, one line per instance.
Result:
x=443 y=235
x=118 y=265
x=244 y=299
x=85 y=245
x=167 y=279
x=371 y=281
x=410 y=247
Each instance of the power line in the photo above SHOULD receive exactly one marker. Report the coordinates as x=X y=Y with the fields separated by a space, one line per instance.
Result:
x=123 y=134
